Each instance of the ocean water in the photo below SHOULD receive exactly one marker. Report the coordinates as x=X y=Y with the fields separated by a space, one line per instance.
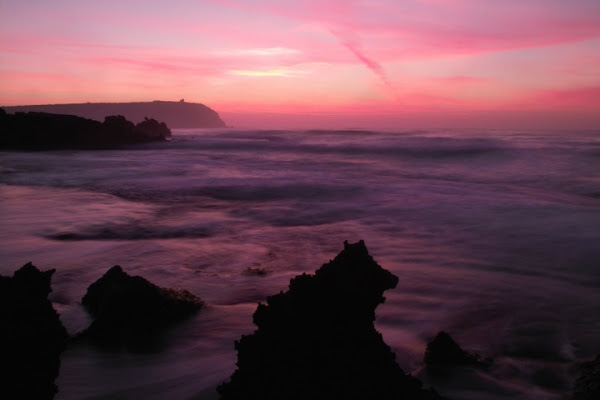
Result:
x=495 y=236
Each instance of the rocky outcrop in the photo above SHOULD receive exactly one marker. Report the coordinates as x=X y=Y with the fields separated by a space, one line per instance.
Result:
x=587 y=386
x=176 y=114
x=43 y=131
x=443 y=354
x=31 y=334
x=118 y=126
x=128 y=309
x=318 y=341
x=152 y=129
x=117 y=129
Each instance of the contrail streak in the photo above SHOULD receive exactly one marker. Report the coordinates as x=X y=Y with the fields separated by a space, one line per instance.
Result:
x=370 y=63
x=374 y=66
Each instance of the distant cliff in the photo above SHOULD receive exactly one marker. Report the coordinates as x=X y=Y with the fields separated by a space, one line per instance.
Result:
x=45 y=131
x=175 y=114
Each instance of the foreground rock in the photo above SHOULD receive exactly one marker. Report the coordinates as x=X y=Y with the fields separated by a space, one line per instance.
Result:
x=31 y=334
x=587 y=386
x=43 y=131
x=443 y=354
x=318 y=341
x=129 y=310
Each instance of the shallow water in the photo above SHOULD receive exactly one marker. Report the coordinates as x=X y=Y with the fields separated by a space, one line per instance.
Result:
x=494 y=236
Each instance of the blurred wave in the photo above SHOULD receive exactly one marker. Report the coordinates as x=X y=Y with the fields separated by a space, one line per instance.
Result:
x=494 y=235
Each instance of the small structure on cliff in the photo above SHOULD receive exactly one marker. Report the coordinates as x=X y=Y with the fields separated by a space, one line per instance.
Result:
x=318 y=341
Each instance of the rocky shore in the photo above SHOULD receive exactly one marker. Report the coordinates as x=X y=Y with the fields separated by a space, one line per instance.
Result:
x=45 y=131
x=317 y=340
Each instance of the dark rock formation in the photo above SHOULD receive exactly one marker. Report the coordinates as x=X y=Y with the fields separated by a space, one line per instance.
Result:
x=118 y=125
x=443 y=354
x=179 y=114
x=128 y=309
x=31 y=334
x=43 y=131
x=117 y=129
x=318 y=341
x=152 y=129
x=587 y=386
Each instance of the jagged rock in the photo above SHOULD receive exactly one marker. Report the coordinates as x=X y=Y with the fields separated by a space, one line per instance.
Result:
x=44 y=131
x=443 y=353
x=318 y=341
x=118 y=125
x=31 y=334
x=587 y=386
x=151 y=129
x=129 y=309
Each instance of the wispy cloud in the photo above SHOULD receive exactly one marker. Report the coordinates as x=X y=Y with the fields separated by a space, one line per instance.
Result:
x=286 y=72
x=408 y=29
x=458 y=80
x=382 y=55
x=266 y=51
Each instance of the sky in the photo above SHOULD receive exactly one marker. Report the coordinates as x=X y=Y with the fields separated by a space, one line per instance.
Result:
x=315 y=63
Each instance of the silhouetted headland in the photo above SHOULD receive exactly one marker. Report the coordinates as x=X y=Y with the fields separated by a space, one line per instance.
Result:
x=129 y=310
x=318 y=341
x=31 y=334
x=176 y=114
x=44 y=131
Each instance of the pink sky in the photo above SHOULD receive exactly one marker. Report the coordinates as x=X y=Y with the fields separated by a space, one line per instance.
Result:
x=315 y=63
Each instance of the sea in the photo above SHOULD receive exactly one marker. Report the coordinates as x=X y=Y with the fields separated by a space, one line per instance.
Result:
x=494 y=235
